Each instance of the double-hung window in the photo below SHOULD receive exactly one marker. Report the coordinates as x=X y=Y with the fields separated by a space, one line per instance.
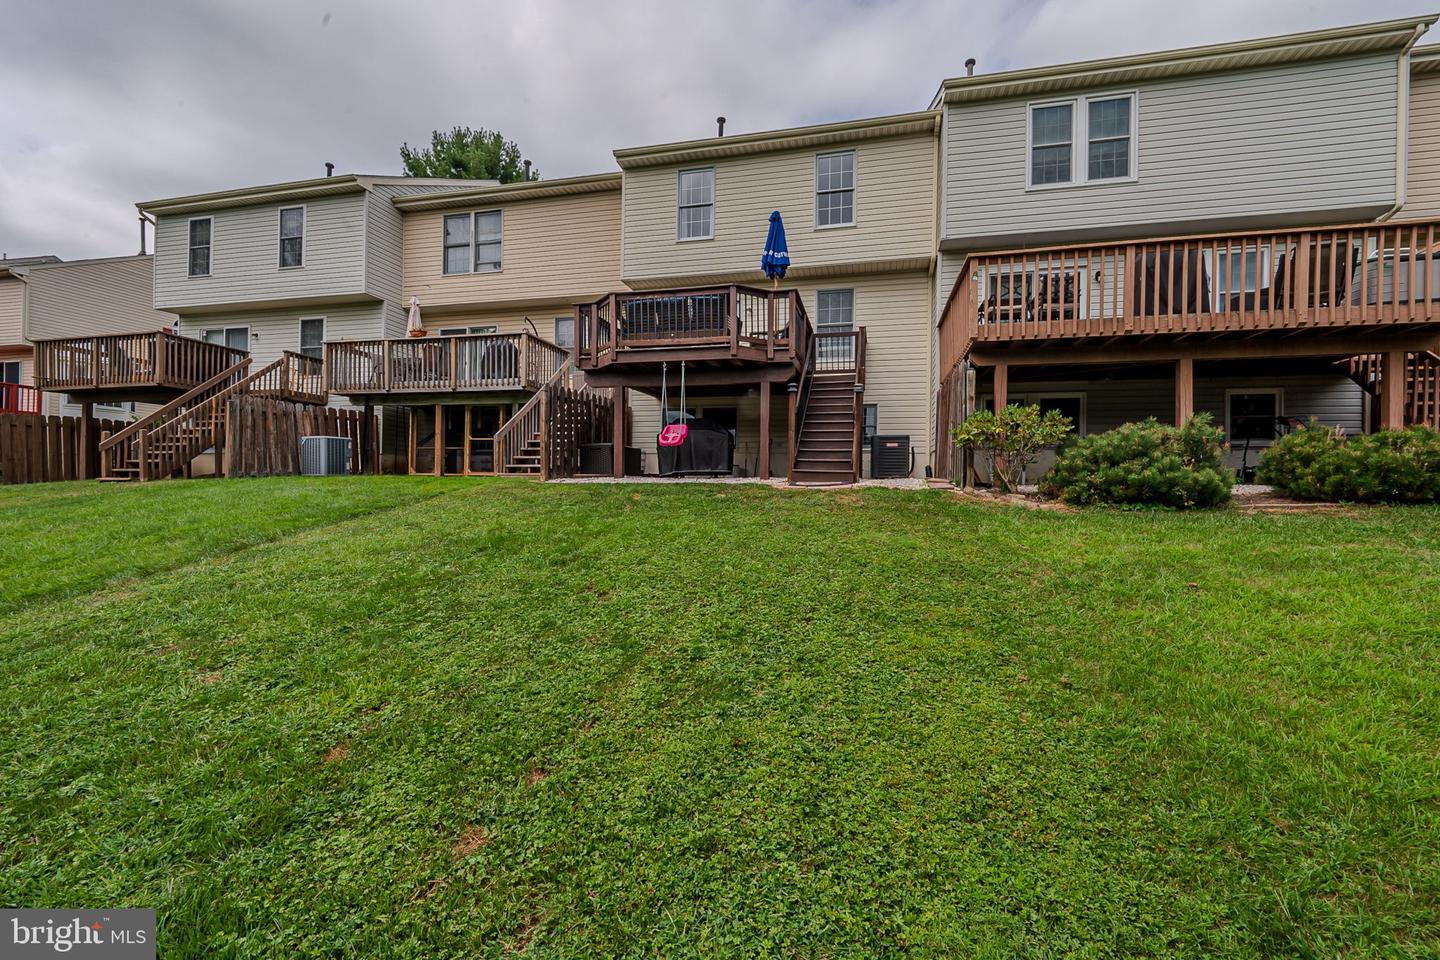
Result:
x=473 y=242
x=835 y=189
x=312 y=337
x=696 y=204
x=202 y=230
x=565 y=333
x=834 y=313
x=1084 y=140
x=292 y=237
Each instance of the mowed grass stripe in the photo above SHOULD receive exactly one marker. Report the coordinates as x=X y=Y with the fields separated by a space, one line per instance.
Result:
x=58 y=540
x=692 y=721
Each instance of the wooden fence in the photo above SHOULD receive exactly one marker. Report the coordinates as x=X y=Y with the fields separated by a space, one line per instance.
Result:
x=573 y=419
x=262 y=436
x=35 y=449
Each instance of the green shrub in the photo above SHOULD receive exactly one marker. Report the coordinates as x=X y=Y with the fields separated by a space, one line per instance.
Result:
x=1145 y=463
x=1014 y=436
x=1391 y=466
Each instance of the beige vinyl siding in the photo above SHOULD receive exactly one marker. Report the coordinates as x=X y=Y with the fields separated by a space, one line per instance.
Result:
x=244 y=260
x=895 y=311
x=1299 y=139
x=553 y=248
x=93 y=297
x=894 y=211
x=12 y=311
x=384 y=249
x=1422 y=196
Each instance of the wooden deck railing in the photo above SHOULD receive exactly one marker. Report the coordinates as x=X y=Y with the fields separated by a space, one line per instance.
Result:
x=473 y=363
x=293 y=377
x=1363 y=275
x=739 y=321
x=19 y=398
x=139 y=360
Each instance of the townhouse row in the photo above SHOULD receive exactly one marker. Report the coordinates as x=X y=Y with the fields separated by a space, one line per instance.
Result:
x=1244 y=229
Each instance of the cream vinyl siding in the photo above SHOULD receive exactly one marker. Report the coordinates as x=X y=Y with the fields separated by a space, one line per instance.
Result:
x=1296 y=139
x=895 y=311
x=12 y=311
x=894 y=211
x=244 y=256
x=552 y=248
x=1422 y=197
x=93 y=297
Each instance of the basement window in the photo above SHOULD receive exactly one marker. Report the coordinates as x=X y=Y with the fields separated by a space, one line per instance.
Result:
x=1252 y=415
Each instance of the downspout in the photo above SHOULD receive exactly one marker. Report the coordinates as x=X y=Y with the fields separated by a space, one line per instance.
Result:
x=1402 y=125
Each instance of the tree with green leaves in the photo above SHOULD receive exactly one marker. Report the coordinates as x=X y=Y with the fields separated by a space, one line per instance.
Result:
x=468 y=154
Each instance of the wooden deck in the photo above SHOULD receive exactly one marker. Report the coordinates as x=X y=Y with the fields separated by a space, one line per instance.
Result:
x=717 y=331
x=134 y=366
x=1369 y=278
x=430 y=366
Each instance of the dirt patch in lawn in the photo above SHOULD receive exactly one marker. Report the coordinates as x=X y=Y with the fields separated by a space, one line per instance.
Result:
x=535 y=774
x=471 y=840
x=340 y=751
x=210 y=679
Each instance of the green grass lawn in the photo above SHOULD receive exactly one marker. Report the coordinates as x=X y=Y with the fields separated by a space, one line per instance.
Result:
x=394 y=717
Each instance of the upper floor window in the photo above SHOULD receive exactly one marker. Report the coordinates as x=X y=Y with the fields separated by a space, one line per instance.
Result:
x=312 y=337
x=292 y=237
x=473 y=242
x=835 y=189
x=696 y=202
x=1085 y=140
x=201 y=231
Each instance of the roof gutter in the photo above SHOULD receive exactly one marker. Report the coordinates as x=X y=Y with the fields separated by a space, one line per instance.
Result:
x=1402 y=124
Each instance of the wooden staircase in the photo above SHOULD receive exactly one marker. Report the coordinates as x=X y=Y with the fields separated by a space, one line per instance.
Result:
x=826 y=433
x=164 y=443
x=1422 y=384
x=545 y=435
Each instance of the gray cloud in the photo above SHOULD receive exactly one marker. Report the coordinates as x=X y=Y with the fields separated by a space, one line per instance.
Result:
x=107 y=103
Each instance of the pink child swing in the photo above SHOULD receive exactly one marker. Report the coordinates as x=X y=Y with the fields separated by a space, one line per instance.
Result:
x=672 y=434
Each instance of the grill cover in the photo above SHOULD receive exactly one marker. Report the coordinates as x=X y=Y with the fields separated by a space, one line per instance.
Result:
x=708 y=449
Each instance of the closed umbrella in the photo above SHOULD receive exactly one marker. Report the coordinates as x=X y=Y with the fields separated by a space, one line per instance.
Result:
x=413 y=326
x=776 y=258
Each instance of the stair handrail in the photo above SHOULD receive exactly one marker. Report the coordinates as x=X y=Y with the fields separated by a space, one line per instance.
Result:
x=859 y=398
x=514 y=428
x=802 y=400
x=211 y=407
x=174 y=405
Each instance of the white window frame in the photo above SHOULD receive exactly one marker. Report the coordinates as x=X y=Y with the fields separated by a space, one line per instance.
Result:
x=680 y=207
x=189 y=247
x=484 y=329
x=280 y=237
x=853 y=190
x=19 y=371
x=1279 y=394
x=854 y=307
x=300 y=336
x=249 y=334
x=1080 y=140
x=445 y=249
x=559 y=320
x=475 y=241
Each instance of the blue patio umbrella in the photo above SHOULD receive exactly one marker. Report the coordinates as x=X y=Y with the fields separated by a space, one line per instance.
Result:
x=776 y=258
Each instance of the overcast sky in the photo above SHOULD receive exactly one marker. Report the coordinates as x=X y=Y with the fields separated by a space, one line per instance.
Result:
x=109 y=102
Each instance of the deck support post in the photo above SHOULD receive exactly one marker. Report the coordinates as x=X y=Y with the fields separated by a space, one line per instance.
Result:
x=1392 y=390
x=1002 y=386
x=86 y=469
x=439 y=440
x=794 y=391
x=1184 y=390
x=764 y=431
x=367 y=452
x=617 y=457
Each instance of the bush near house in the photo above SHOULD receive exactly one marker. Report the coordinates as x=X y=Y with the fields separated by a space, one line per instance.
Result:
x=1320 y=463
x=1014 y=436
x=1145 y=463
